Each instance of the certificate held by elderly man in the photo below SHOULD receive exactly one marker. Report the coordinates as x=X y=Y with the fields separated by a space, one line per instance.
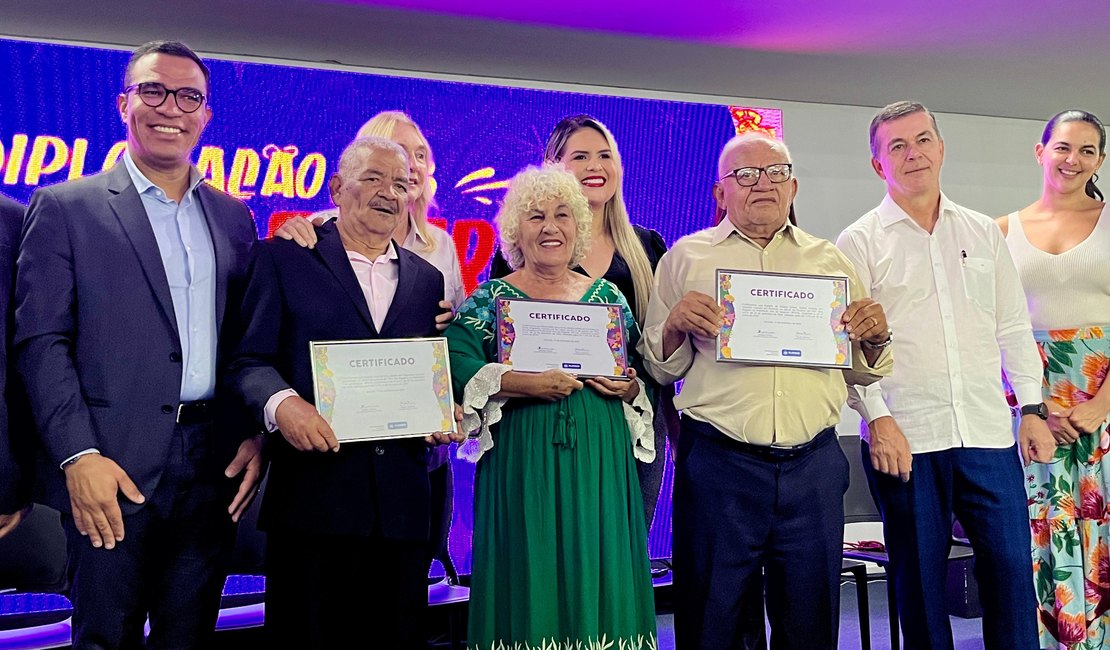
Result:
x=583 y=338
x=783 y=319
x=377 y=389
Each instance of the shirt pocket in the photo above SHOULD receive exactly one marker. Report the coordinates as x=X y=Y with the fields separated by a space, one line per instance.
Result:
x=979 y=281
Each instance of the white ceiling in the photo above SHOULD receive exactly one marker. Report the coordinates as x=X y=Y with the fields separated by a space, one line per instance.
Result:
x=1019 y=58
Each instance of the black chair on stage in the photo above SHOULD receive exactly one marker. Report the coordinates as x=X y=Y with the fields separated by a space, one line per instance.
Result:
x=34 y=612
x=862 y=522
x=33 y=556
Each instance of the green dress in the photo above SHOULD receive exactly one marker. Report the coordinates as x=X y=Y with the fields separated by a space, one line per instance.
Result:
x=560 y=546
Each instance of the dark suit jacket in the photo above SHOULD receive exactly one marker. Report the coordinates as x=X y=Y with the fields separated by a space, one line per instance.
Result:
x=16 y=438
x=96 y=337
x=295 y=295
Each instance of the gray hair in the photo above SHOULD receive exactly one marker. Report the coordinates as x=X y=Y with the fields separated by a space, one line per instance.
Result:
x=532 y=188
x=894 y=111
x=354 y=157
x=751 y=136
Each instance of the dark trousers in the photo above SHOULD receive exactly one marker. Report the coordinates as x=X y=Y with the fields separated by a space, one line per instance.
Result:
x=338 y=591
x=984 y=489
x=171 y=564
x=739 y=517
x=651 y=474
x=442 y=499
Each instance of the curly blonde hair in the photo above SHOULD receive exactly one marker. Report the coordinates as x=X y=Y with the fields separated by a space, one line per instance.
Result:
x=530 y=190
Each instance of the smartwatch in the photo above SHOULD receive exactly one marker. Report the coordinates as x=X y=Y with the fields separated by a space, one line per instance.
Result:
x=1038 y=409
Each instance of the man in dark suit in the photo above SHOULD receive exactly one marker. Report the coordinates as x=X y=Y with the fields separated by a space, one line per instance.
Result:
x=15 y=442
x=346 y=528
x=125 y=290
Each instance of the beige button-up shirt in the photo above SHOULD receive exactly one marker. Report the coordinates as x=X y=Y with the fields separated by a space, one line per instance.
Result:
x=762 y=405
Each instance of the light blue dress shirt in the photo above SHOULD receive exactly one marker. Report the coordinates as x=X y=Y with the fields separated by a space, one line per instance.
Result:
x=185 y=245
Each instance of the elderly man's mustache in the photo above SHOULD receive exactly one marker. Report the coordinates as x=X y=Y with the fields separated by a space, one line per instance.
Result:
x=384 y=206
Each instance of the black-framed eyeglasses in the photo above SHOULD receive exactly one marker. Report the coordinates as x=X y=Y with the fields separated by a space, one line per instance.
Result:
x=749 y=176
x=154 y=95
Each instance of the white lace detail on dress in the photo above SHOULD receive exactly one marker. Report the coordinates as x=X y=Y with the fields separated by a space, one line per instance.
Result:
x=639 y=416
x=481 y=411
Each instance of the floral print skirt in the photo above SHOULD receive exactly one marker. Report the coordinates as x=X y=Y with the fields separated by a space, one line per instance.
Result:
x=1068 y=502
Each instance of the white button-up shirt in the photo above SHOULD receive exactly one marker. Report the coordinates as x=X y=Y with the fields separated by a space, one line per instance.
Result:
x=956 y=306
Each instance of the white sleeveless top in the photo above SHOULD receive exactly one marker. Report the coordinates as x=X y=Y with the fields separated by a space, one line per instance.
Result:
x=1069 y=290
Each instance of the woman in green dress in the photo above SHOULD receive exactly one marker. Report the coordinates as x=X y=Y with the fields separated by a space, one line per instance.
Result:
x=560 y=552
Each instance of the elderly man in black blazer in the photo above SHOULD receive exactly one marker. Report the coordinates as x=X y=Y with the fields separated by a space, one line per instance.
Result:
x=126 y=288
x=346 y=527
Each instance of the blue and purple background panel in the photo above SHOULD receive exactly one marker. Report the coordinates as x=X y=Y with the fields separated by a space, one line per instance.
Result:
x=277 y=132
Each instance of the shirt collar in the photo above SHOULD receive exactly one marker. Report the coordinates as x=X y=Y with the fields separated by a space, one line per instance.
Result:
x=890 y=212
x=390 y=255
x=722 y=231
x=143 y=184
x=414 y=232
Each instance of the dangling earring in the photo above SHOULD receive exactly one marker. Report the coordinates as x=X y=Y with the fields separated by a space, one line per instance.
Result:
x=1094 y=179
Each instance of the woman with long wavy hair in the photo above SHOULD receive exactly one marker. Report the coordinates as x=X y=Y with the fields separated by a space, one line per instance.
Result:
x=623 y=253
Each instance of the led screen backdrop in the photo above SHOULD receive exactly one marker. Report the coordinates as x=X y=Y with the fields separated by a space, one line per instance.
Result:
x=277 y=132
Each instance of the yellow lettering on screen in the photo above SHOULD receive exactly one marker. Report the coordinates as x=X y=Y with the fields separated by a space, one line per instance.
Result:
x=316 y=163
x=279 y=175
x=113 y=155
x=15 y=159
x=38 y=164
x=210 y=164
x=77 y=158
x=244 y=172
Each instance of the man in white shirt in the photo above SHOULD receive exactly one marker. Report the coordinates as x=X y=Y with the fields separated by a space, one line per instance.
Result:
x=956 y=306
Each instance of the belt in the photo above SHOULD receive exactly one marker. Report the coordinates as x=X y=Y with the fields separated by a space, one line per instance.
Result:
x=197 y=412
x=762 y=452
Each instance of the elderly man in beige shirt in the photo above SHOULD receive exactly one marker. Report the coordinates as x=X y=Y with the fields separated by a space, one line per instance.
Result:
x=760 y=478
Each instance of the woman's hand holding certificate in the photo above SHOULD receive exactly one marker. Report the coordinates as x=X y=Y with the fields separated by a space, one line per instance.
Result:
x=626 y=391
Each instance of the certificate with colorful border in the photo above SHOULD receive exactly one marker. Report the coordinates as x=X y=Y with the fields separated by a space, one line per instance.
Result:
x=586 y=339
x=378 y=389
x=783 y=319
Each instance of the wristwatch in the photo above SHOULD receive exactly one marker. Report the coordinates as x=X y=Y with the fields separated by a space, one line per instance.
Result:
x=1038 y=409
x=879 y=346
